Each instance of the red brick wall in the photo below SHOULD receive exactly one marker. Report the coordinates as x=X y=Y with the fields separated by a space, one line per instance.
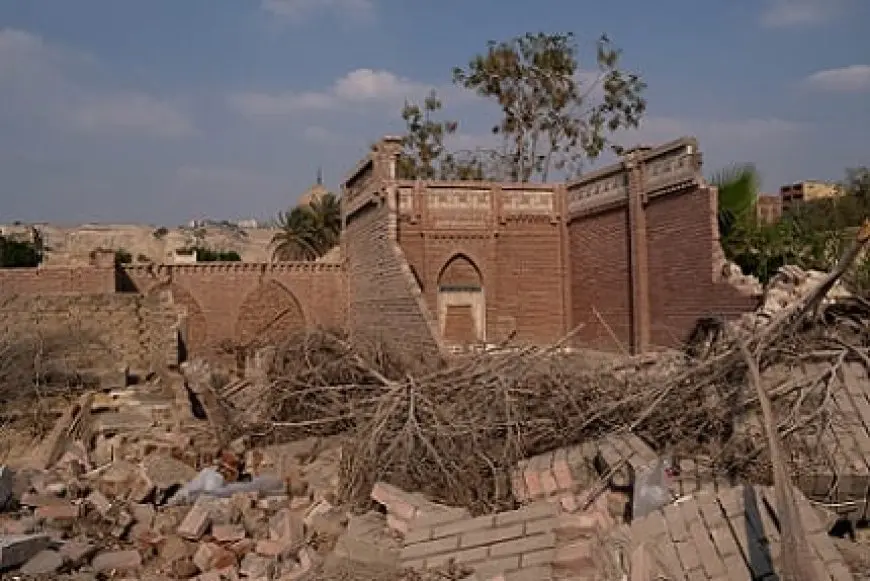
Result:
x=385 y=300
x=600 y=276
x=520 y=260
x=680 y=228
x=246 y=304
x=529 y=285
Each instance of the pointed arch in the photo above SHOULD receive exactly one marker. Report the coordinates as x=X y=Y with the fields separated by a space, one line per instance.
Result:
x=268 y=315
x=461 y=302
x=460 y=272
x=194 y=331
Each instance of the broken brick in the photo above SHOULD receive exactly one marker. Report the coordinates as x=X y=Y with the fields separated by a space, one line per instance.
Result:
x=194 y=524
x=212 y=556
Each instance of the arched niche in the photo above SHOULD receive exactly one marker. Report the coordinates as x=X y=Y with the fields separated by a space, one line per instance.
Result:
x=461 y=302
x=268 y=315
x=194 y=331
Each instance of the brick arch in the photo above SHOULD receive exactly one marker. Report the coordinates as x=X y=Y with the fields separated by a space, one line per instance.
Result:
x=268 y=314
x=461 y=302
x=460 y=271
x=195 y=332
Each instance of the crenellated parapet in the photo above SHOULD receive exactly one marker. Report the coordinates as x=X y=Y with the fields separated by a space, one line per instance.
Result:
x=254 y=268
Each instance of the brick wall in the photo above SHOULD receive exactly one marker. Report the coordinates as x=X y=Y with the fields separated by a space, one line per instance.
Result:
x=385 y=300
x=682 y=281
x=246 y=304
x=674 y=244
x=600 y=278
x=510 y=233
x=98 y=331
x=57 y=280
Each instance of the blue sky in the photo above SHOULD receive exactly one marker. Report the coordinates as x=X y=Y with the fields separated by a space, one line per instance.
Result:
x=164 y=110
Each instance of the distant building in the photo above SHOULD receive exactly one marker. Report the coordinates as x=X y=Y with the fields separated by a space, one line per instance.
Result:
x=768 y=208
x=807 y=191
x=251 y=223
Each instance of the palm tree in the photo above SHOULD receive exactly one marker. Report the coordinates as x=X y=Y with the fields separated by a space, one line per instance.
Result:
x=738 y=187
x=308 y=231
x=327 y=213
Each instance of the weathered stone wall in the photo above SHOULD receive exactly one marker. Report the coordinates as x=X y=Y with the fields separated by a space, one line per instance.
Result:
x=99 y=331
x=75 y=243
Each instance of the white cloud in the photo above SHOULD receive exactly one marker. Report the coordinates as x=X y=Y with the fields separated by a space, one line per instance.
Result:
x=850 y=79
x=47 y=82
x=298 y=9
x=359 y=87
x=799 y=13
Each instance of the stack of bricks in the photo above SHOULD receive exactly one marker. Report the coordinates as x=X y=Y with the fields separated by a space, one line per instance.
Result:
x=731 y=535
x=560 y=474
x=536 y=542
x=405 y=509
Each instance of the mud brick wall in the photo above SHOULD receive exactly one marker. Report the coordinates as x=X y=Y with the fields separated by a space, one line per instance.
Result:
x=57 y=280
x=98 y=332
x=384 y=297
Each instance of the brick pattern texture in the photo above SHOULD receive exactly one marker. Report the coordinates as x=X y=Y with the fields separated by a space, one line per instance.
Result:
x=520 y=264
x=246 y=304
x=732 y=535
x=385 y=300
x=98 y=331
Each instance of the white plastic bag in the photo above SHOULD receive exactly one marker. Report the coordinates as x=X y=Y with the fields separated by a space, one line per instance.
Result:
x=651 y=491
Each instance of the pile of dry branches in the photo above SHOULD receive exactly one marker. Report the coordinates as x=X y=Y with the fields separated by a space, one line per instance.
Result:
x=456 y=431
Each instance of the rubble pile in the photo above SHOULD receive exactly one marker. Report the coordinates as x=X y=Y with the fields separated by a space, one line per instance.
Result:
x=330 y=461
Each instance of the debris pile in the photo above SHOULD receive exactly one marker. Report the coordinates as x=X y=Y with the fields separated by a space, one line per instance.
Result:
x=330 y=460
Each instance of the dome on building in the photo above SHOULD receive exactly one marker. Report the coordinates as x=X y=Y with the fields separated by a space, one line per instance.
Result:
x=315 y=192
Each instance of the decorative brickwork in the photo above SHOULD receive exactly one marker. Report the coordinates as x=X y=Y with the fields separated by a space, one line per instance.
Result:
x=628 y=256
x=244 y=304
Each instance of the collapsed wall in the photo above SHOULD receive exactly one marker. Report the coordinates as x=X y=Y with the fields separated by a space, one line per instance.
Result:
x=385 y=300
x=645 y=256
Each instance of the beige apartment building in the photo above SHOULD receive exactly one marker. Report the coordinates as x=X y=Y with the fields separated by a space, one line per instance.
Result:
x=807 y=191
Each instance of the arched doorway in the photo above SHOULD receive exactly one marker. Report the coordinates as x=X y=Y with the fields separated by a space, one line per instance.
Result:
x=461 y=302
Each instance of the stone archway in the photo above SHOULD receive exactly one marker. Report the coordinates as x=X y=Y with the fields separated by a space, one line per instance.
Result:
x=268 y=315
x=461 y=302
x=194 y=330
